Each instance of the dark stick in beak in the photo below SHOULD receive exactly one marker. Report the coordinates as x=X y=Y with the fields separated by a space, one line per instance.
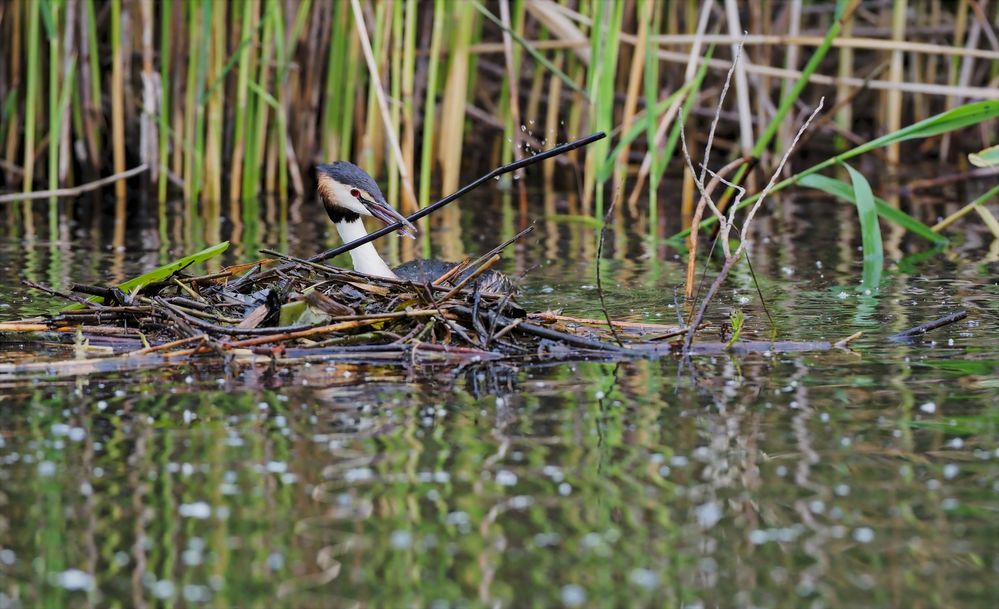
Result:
x=387 y=214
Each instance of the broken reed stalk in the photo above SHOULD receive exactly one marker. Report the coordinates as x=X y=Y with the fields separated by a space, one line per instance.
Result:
x=75 y=190
x=727 y=223
x=625 y=325
x=169 y=345
x=471 y=277
x=324 y=329
x=455 y=270
x=542 y=332
x=483 y=258
x=65 y=295
x=930 y=325
x=696 y=221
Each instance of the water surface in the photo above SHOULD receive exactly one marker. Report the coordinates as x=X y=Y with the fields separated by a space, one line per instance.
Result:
x=866 y=477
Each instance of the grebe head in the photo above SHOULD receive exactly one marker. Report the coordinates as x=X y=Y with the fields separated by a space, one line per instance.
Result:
x=348 y=192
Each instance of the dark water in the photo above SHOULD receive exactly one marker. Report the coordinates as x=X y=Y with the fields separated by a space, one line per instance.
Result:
x=847 y=478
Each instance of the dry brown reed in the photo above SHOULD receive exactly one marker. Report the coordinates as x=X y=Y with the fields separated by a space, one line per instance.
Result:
x=229 y=100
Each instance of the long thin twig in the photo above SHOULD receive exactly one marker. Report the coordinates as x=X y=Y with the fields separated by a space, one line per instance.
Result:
x=626 y=325
x=54 y=292
x=502 y=246
x=698 y=213
x=531 y=160
x=471 y=277
x=542 y=332
x=930 y=325
x=75 y=190
x=600 y=254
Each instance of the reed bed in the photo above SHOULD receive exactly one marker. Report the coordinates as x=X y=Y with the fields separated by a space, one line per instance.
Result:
x=229 y=101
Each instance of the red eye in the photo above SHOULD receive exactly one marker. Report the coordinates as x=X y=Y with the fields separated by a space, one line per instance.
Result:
x=355 y=193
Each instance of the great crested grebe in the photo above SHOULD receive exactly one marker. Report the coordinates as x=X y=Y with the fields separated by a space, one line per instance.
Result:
x=347 y=193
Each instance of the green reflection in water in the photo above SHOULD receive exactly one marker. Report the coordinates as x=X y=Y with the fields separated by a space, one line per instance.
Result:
x=597 y=483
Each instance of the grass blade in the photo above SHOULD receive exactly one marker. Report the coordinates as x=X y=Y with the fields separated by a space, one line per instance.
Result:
x=165 y=271
x=117 y=97
x=31 y=96
x=958 y=118
x=166 y=10
x=844 y=191
x=870 y=228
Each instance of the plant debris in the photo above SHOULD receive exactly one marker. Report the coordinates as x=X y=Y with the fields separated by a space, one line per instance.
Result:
x=300 y=309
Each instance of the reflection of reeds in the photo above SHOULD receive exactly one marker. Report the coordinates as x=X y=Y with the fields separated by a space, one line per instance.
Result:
x=234 y=100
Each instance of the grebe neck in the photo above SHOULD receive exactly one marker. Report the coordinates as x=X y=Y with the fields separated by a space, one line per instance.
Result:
x=365 y=257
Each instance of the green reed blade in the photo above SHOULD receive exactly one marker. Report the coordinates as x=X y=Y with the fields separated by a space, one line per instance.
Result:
x=430 y=104
x=409 y=104
x=117 y=98
x=50 y=17
x=215 y=116
x=870 y=228
x=61 y=105
x=94 y=102
x=651 y=91
x=395 y=87
x=604 y=106
x=190 y=97
x=638 y=127
x=350 y=78
x=265 y=95
x=286 y=55
x=945 y=122
x=166 y=11
x=259 y=114
x=199 y=110
x=31 y=97
x=334 y=89
x=297 y=25
x=371 y=152
x=163 y=272
x=237 y=54
x=281 y=117
x=7 y=113
x=844 y=191
x=239 y=120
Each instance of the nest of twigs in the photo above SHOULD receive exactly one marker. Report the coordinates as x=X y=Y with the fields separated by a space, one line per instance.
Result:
x=293 y=309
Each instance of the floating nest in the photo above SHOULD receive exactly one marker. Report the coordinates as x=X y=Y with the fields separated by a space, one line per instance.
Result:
x=289 y=310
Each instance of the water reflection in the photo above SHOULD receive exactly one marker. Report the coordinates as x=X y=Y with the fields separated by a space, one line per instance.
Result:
x=592 y=484
x=848 y=478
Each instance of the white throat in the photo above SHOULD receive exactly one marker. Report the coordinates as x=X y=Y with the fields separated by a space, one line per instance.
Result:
x=365 y=257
